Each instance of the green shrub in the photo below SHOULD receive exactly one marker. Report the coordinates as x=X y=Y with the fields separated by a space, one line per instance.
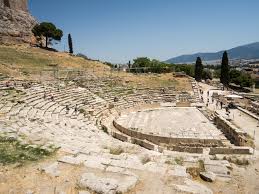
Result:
x=82 y=111
x=12 y=151
x=179 y=161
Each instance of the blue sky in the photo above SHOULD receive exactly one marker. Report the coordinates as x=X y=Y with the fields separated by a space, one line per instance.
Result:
x=120 y=30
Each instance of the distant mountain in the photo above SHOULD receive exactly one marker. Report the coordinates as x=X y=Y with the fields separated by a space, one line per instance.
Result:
x=249 y=51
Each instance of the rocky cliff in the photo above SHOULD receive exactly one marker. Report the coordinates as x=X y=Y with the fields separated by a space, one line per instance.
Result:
x=15 y=22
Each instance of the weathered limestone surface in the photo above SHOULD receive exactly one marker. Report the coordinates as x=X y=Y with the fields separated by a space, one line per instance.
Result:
x=21 y=5
x=15 y=22
x=193 y=187
x=107 y=185
x=208 y=176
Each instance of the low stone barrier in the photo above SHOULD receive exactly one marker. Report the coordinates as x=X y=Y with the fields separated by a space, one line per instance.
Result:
x=196 y=150
x=120 y=136
x=143 y=144
x=248 y=113
x=243 y=150
x=159 y=140
x=234 y=134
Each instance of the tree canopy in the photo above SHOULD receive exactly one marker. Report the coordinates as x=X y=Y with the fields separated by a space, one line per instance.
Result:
x=48 y=31
x=145 y=65
x=224 y=77
x=240 y=78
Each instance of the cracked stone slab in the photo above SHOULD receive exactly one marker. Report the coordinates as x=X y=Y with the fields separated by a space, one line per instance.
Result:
x=192 y=187
x=107 y=184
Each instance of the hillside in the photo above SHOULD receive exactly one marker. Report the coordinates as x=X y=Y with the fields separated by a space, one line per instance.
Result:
x=249 y=51
x=28 y=63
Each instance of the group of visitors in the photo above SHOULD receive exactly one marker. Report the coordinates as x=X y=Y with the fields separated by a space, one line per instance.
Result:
x=219 y=103
x=45 y=96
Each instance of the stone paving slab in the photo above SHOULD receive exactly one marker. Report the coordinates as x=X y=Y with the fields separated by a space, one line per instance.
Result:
x=171 y=122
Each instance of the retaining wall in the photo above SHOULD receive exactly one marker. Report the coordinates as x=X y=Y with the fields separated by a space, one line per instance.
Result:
x=234 y=150
x=234 y=134
x=158 y=140
x=120 y=137
x=143 y=144
x=196 y=150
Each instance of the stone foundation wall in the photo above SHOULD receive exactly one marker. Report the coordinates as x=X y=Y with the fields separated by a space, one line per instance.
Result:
x=120 y=137
x=233 y=150
x=143 y=144
x=160 y=140
x=234 y=134
x=196 y=150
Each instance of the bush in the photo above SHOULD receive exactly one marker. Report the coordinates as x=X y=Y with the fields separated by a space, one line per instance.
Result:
x=146 y=65
x=201 y=165
x=12 y=151
x=116 y=151
x=82 y=111
x=240 y=78
x=179 y=161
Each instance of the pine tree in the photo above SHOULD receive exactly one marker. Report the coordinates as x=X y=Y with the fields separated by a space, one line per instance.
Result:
x=49 y=31
x=198 y=69
x=225 y=77
x=70 y=44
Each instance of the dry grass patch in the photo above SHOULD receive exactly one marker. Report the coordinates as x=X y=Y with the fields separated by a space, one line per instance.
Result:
x=116 y=151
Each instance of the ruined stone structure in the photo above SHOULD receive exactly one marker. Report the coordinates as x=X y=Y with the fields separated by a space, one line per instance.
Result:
x=15 y=22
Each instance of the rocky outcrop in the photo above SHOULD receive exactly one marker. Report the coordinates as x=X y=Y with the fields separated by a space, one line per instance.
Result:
x=15 y=22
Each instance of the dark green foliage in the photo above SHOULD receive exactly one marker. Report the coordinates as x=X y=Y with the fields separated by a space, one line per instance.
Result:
x=145 y=65
x=49 y=31
x=224 y=77
x=198 y=69
x=217 y=73
x=70 y=44
x=188 y=69
x=240 y=78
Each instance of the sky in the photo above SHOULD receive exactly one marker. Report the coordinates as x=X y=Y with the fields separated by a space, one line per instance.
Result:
x=121 y=30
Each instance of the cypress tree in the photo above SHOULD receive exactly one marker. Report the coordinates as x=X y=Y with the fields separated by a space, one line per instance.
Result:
x=70 y=44
x=198 y=69
x=225 y=77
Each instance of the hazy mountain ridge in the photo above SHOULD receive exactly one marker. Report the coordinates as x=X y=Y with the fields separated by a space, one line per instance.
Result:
x=249 y=51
